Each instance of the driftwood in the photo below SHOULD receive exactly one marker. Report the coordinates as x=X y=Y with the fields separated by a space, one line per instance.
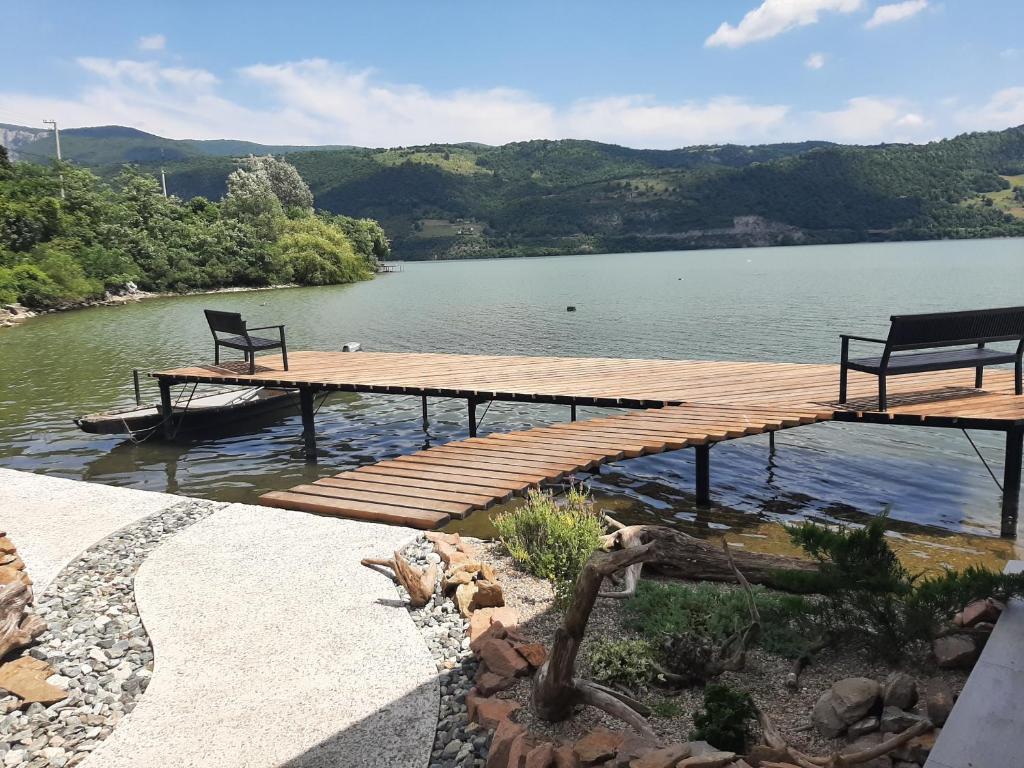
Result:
x=17 y=628
x=774 y=739
x=556 y=690
x=687 y=557
x=801 y=661
x=418 y=582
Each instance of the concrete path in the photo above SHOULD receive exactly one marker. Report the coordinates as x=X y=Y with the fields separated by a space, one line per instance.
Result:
x=51 y=520
x=985 y=728
x=274 y=647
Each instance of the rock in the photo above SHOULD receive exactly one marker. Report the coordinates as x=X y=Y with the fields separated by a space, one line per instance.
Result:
x=633 y=746
x=541 y=756
x=519 y=750
x=899 y=690
x=707 y=760
x=488 y=595
x=866 y=742
x=463 y=574
x=954 y=651
x=597 y=746
x=483 y=619
x=854 y=697
x=939 y=702
x=824 y=717
x=981 y=610
x=761 y=753
x=488 y=683
x=917 y=749
x=864 y=726
x=895 y=720
x=565 y=757
x=465 y=594
x=489 y=631
x=26 y=679
x=534 y=653
x=501 y=744
x=489 y=711
x=502 y=659
x=666 y=757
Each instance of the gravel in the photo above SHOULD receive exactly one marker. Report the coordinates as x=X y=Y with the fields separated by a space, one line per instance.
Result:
x=97 y=644
x=457 y=742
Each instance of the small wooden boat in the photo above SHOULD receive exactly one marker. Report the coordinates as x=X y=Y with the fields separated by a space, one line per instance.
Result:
x=201 y=412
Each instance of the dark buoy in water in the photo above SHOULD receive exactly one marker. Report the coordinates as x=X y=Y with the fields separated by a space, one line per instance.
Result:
x=570 y=308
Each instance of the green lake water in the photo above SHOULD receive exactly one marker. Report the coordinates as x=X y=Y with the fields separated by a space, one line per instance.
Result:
x=786 y=304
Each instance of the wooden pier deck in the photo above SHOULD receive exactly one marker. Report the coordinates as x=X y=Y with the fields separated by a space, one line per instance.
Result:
x=688 y=403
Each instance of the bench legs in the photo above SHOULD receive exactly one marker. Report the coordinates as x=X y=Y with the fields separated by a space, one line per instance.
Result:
x=881 y=393
x=842 y=384
x=1018 y=385
x=1011 y=482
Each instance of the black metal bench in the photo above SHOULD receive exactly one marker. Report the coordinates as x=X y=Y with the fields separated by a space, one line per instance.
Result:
x=942 y=329
x=241 y=338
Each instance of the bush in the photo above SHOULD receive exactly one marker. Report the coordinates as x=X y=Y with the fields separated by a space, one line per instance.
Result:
x=552 y=541
x=622 y=662
x=716 y=612
x=725 y=721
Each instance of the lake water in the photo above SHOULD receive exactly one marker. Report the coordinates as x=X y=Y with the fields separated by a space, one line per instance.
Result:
x=785 y=304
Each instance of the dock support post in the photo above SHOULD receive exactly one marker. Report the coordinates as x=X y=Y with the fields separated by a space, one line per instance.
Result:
x=308 y=428
x=572 y=412
x=472 y=417
x=426 y=422
x=166 y=408
x=771 y=443
x=703 y=454
x=1011 y=482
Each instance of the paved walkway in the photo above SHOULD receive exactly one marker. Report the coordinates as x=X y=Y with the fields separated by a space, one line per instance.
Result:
x=273 y=646
x=51 y=520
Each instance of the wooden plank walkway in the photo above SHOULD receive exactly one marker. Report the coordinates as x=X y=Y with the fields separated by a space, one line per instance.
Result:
x=428 y=488
x=688 y=403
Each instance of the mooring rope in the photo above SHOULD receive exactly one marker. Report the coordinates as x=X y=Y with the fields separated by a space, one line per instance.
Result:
x=993 y=475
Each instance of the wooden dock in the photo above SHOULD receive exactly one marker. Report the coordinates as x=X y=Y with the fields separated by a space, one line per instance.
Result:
x=687 y=403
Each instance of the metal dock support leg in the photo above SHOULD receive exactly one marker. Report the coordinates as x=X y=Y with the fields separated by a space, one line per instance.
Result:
x=703 y=454
x=472 y=417
x=166 y=408
x=572 y=412
x=771 y=443
x=308 y=427
x=426 y=421
x=1011 y=482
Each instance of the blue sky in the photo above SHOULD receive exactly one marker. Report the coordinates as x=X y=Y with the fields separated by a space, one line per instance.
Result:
x=641 y=73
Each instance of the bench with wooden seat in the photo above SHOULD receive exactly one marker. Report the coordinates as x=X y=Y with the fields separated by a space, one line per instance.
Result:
x=242 y=338
x=923 y=336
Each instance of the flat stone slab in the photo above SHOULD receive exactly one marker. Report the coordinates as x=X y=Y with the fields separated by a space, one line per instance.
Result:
x=274 y=647
x=51 y=520
x=984 y=729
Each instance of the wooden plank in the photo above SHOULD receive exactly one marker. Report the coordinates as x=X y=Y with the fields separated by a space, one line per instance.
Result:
x=455 y=509
x=415 y=490
x=379 y=513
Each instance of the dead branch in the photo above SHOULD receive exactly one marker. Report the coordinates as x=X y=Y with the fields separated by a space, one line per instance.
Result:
x=801 y=661
x=587 y=693
x=774 y=739
x=17 y=627
x=418 y=582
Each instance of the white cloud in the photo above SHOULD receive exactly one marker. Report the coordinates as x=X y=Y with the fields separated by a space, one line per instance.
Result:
x=773 y=17
x=152 y=42
x=1005 y=108
x=893 y=12
x=324 y=102
x=815 y=61
x=1009 y=54
x=870 y=120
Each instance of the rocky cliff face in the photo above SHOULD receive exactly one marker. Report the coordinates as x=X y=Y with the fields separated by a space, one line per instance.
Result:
x=13 y=137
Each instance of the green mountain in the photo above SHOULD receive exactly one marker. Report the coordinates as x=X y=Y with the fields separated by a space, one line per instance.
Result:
x=547 y=197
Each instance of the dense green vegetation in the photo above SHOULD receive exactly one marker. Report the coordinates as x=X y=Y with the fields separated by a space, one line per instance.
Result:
x=58 y=251
x=727 y=718
x=546 y=197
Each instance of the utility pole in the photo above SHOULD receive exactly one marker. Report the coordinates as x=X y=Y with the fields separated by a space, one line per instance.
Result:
x=163 y=181
x=56 y=136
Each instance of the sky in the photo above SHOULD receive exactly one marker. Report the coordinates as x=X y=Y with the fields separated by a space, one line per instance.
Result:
x=643 y=73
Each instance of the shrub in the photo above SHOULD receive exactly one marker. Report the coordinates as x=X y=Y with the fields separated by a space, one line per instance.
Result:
x=623 y=662
x=550 y=540
x=725 y=721
x=717 y=612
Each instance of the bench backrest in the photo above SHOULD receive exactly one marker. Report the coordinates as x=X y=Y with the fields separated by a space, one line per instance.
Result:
x=225 y=322
x=946 y=329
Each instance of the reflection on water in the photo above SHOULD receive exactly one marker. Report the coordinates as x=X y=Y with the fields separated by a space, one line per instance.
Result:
x=767 y=304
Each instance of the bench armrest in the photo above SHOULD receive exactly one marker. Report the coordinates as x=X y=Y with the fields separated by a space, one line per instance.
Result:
x=266 y=327
x=861 y=338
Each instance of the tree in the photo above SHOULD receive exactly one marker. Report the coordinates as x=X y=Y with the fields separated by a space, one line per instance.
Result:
x=282 y=179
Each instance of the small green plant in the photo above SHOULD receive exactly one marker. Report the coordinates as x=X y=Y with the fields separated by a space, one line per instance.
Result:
x=725 y=722
x=623 y=662
x=551 y=540
x=718 y=612
x=665 y=708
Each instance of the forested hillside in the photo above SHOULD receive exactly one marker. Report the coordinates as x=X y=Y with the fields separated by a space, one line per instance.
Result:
x=545 y=197
x=66 y=236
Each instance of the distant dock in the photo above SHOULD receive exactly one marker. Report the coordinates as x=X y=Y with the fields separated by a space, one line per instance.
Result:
x=385 y=268
x=678 y=404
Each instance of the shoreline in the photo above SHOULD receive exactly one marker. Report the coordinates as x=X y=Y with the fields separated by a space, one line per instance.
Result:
x=22 y=314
